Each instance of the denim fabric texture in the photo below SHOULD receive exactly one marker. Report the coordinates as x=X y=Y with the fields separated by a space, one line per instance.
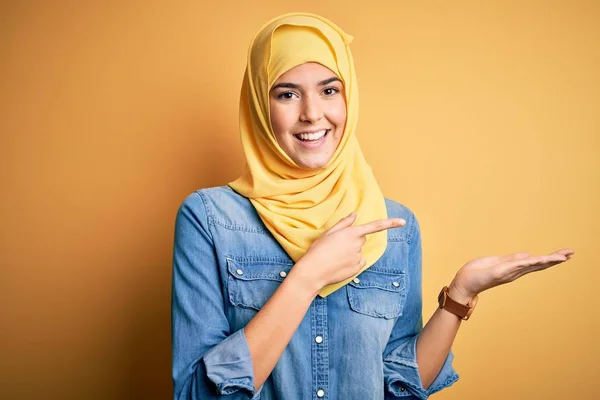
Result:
x=357 y=343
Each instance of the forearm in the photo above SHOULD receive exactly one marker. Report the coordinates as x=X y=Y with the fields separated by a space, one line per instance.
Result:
x=435 y=340
x=270 y=331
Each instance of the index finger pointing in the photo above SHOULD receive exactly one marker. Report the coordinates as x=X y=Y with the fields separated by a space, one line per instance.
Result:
x=379 y=225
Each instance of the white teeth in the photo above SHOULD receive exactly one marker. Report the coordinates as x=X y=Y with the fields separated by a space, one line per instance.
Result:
x=312 y=136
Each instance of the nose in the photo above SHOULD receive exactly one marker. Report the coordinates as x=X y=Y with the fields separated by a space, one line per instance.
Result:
x=311 y=110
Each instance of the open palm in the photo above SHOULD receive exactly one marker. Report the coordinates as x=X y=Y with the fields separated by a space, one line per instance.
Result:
x=484 y=273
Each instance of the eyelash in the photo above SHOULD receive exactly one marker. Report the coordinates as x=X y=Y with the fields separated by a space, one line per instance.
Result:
x=281 y=96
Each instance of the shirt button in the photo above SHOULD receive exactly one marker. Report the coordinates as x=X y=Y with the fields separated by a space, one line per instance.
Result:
x=239 y=272
x=319 y=339
x=282 y=274
x=320 y=393
x=396 y=284
x=356 y=280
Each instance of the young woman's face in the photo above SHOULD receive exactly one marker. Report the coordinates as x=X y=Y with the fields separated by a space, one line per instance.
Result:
x=308 y=113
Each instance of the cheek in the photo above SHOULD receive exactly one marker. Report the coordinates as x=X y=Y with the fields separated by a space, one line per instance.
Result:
x=281 y=119
x=338 y=114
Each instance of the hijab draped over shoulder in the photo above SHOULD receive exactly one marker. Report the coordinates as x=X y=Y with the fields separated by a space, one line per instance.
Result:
x=298 y=204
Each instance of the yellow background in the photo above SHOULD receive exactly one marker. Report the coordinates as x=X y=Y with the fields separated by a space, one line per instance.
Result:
x=482 y=117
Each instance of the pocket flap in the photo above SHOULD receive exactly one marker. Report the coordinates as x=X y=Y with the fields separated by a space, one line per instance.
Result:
x=253 y=269
x=381 y=279
x=252 y=281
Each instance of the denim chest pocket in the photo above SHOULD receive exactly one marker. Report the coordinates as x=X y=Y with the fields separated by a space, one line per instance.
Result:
x=251 y=282
x=378 y=292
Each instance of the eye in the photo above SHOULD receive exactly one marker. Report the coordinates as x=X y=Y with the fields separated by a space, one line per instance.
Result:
x=330 y=91
x=286 y=95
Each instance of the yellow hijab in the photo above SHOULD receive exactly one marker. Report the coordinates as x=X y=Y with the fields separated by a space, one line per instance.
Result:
x=298 y=204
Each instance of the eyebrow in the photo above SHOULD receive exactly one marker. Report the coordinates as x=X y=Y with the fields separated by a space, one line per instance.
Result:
x=295 y=86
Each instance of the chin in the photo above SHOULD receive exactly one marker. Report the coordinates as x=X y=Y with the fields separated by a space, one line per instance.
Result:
x=312 y=165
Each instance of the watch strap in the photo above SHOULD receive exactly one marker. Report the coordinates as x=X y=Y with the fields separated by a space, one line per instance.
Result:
x=461 y=310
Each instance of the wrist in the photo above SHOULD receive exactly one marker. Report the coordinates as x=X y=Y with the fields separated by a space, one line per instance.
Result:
x=458 y=294
x=305 y=285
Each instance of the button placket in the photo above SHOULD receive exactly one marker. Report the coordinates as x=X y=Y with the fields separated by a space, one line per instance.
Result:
x=319 y=348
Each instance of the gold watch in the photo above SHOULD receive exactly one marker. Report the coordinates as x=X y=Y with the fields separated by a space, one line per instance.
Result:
x=461 y=310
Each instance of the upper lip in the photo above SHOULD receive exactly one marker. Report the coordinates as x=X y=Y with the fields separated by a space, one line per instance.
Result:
x=312 y=131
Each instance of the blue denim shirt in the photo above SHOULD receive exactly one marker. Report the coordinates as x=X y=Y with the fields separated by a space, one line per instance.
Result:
x=357 y=343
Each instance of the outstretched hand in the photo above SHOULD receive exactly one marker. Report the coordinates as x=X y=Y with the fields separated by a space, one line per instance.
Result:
x=484 y=273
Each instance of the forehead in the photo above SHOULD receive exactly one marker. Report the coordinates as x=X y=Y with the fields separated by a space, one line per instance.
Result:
x=307 y=72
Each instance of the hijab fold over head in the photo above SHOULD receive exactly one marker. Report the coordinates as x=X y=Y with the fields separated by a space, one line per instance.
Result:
x=298 y=204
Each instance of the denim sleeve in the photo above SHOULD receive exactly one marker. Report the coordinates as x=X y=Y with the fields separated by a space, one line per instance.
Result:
x=401 y=372
x=209 y=361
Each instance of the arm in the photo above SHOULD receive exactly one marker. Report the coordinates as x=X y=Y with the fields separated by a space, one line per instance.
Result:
x=406 y=374
x=435 y=341
x=270 y=331
x=210 y=361
x=200 y=331
x=473 y=278
x=436 y=338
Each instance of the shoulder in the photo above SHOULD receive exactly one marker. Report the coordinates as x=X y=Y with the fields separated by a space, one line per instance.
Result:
x=223 y=206
x=216 y=199
x=411 y=230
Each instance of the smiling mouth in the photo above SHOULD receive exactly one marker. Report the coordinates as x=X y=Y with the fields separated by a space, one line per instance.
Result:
x=313 y=136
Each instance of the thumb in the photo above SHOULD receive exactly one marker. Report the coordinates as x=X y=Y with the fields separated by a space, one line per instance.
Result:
x=342 y=223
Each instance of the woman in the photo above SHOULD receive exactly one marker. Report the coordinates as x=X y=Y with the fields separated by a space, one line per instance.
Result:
x=299 y=280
